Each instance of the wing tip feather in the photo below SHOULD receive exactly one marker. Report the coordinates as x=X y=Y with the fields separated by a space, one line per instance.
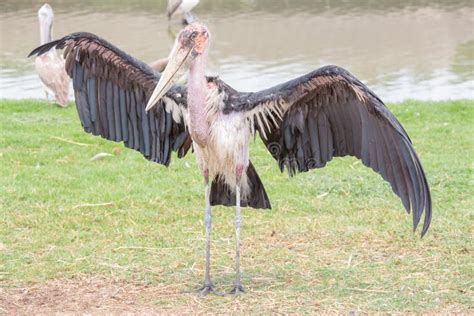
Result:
x=40 y=50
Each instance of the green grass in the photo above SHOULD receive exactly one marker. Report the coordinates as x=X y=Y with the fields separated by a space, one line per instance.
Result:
x=336 y=239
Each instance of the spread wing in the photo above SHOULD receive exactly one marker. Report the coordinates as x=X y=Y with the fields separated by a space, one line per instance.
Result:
x=328 y=112
x=173 y=5
x=111 y=89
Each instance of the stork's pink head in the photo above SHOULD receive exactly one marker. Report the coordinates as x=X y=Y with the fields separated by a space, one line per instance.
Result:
x=196 y=37
x=191 y=43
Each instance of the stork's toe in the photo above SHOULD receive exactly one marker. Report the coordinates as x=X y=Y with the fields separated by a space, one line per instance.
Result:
x=206 y=289
x=237 y=289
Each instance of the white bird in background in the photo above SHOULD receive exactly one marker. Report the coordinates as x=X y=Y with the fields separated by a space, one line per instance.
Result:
x=159 y=64
x=50 y=66
x=182 y=7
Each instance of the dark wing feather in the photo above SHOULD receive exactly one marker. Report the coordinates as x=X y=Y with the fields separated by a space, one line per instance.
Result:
x=328 y=112
x=111 y=89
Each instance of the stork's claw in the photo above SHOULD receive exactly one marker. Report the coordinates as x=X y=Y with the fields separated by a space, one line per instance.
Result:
x=206 y=289
x=237 y=289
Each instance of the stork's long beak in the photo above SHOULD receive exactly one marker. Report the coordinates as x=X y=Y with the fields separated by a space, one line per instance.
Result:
x=178 y=63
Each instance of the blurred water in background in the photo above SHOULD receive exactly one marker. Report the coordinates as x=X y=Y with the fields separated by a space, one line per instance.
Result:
x=403 y=49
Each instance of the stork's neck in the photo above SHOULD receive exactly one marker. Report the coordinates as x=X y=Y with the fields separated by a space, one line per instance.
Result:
x=197 y=95
x=46 y=35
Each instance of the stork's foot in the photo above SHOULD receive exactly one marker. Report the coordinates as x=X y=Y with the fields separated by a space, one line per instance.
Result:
x=237 y=289
x=206 y=289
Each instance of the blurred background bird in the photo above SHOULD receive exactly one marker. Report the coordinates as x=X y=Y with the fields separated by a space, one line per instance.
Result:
x=50 y=66
x=159 y=64
x=183 y=7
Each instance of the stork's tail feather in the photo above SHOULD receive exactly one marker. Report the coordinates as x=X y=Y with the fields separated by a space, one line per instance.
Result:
x=221 y=194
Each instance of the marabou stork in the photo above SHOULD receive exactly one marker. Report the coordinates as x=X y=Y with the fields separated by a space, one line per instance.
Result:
x=50 y=65
x=183 y=7
x=304 y=123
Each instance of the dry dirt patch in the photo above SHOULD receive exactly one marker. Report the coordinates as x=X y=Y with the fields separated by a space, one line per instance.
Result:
x=87 y=295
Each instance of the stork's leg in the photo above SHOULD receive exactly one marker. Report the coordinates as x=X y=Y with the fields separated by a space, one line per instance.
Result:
x=47 y=96
x=208 y=286
x=238 y=219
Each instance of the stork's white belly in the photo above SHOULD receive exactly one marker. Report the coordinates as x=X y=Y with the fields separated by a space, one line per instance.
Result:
x=230 y=135
x=227 y=149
